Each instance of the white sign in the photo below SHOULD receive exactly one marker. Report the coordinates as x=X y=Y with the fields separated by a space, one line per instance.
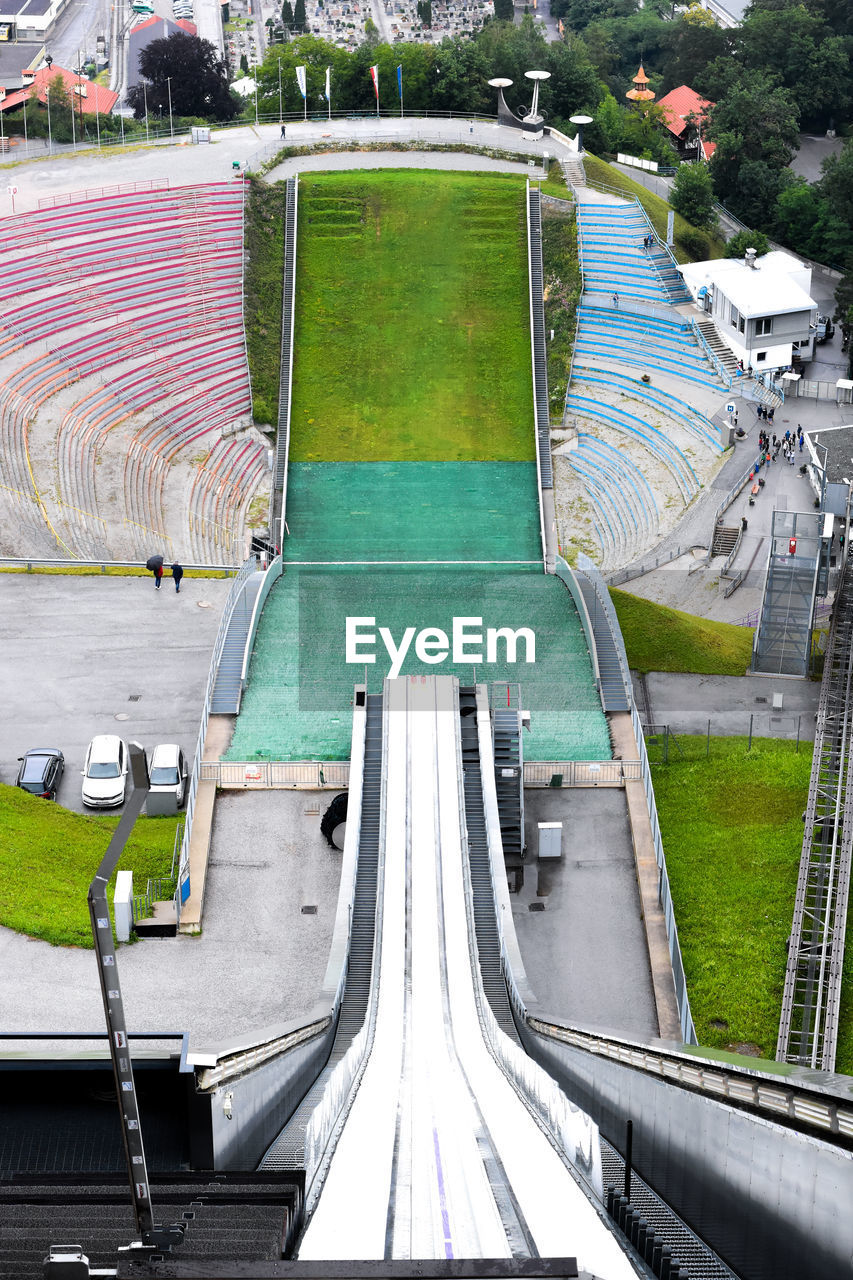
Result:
x=13 y=191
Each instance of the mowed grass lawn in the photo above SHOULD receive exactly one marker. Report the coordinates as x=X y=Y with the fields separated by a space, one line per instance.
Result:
x=48 y=856
x=658 y=638
x=412 y=333
x=732 y=833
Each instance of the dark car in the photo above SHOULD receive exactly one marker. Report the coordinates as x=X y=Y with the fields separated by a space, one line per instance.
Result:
x=40 y=772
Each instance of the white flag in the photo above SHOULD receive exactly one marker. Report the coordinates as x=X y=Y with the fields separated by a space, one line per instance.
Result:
x=300 y=80
x=328 y=84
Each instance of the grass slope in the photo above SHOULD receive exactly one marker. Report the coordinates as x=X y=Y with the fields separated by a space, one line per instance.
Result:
x=262 y=294
x=412 y=331
x=656 y=207
x=658 y=638
x=562 y=294
x=49 y=855
x=732 y=831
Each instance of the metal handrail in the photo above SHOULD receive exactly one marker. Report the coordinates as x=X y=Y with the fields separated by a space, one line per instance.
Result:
x=536 y=424
x=720 y=368
x=688 y=1030
x=245 y=572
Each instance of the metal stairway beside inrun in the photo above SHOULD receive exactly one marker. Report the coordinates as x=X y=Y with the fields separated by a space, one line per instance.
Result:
x=228 y=686
x=540 y=360
x=509 y=767
x=614 y=696
x=482 y=895
x=287 y=1151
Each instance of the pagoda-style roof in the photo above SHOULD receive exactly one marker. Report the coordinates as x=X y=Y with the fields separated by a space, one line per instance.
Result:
x=640 y=93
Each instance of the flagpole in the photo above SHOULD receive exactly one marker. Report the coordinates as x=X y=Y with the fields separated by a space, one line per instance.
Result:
x=329 y=90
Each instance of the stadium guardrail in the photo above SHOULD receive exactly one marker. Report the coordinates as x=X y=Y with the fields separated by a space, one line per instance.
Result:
x=688 y=1030
x=243 y=574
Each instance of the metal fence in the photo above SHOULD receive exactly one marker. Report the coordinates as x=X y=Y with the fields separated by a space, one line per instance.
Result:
x=580 y=773
x=325 y=775
x=266 y=775
x=639 y=571
x=688 y=1031
x=234 y=594
x=810 y=390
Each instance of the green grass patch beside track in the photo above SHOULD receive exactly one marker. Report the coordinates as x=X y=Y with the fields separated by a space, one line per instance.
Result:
x=732 y=831
x=262 y=294
x=48 y=856
x=562 y=294
x=412 y=338
x=658 y=638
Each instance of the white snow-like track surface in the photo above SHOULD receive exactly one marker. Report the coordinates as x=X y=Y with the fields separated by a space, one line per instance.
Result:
x=439 y=1157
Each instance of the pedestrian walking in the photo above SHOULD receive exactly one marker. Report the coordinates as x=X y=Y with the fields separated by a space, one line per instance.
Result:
x=801 y=443
x=177 y=574
x=154 y=564
x=616 y=300
x=770 y=413
x=791 y=456
x=284 y=130
x=787 y=437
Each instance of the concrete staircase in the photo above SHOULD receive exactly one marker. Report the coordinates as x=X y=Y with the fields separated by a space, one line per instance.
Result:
x=725 y=537
x=574 y=172
x=723 y=352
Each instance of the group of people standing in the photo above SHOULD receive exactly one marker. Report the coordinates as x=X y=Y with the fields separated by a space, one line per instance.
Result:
x=787 y=445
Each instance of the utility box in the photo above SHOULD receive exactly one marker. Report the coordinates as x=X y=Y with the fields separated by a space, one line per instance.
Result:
x=550 y=840
x=122 y=910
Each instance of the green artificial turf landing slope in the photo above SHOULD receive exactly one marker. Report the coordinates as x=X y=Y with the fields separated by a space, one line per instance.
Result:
x=484 y=511
x=412 y=336
x=298 y=705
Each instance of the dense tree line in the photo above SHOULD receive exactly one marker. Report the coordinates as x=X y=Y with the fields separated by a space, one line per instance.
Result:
x=450 y=76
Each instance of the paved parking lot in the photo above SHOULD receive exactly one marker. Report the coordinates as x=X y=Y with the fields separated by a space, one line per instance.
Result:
x=81 y=656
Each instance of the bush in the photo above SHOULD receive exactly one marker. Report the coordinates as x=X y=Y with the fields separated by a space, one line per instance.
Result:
x=695 y=243
x=738 y=245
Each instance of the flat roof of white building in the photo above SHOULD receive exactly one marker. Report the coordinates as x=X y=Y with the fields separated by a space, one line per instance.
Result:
x=769 y=288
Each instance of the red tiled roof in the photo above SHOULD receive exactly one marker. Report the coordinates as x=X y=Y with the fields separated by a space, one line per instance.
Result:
x=96 y=96
x=679 y=103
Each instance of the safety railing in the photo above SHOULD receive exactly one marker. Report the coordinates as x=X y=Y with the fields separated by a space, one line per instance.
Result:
x=638 y=571
x=664 y=893
x=580 y=773
x=98 y=193
x=778 y=1097
x=267 y=775
x=720 y=369
x=566 y=576
x=272 y=575
x=32 y=565
x=573 y=1130
x=246 y=571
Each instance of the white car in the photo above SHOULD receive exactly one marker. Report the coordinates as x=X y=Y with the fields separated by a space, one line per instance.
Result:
x=168 y=771
x=105 y=772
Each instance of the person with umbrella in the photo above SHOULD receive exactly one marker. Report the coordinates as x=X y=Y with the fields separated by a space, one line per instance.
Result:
x=155 y=565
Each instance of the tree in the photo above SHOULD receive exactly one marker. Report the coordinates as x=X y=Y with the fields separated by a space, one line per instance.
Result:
x=504 y=11
x=197 y=78
x=287 y=15
x=299 y=15
x=755 y=126
x=244 y=64
x=738 y=245
x=693 y=196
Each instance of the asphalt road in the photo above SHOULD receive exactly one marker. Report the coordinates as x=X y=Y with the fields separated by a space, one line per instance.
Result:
x=83 y=656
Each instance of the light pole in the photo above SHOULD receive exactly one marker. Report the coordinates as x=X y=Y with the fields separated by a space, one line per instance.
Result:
x=97 y=117
x=49 y=134
x=169 y=91
x=256 y=99
x=26 y=138
x=145 y=100
x=280 y=113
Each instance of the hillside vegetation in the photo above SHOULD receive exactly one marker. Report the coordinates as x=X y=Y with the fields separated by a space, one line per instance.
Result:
x=658 y=638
